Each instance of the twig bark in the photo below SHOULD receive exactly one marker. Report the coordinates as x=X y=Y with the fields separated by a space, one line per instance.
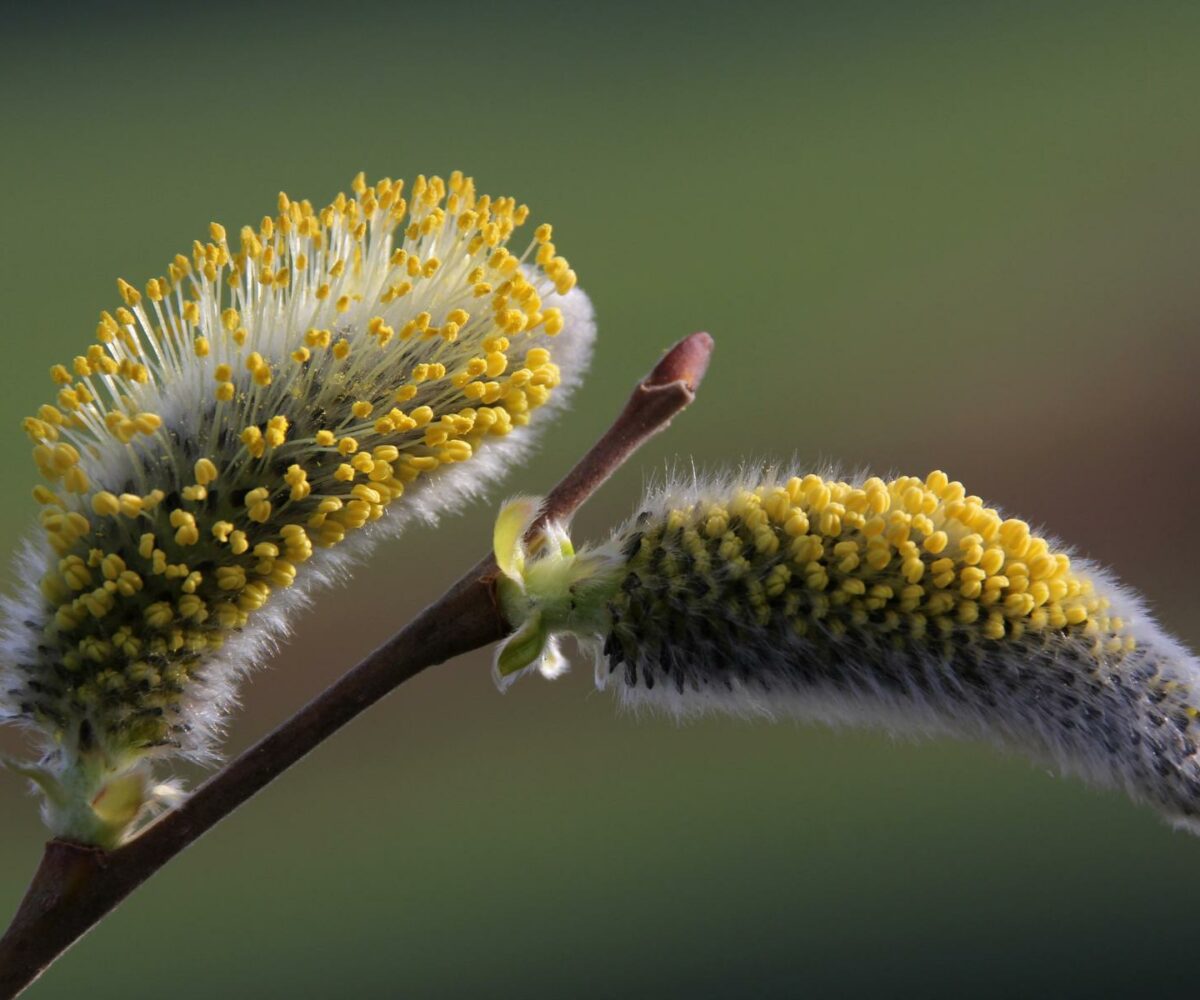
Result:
x=76 y=886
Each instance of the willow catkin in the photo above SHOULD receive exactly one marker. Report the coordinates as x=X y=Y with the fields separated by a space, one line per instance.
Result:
x=906 y=604
x=241 y=429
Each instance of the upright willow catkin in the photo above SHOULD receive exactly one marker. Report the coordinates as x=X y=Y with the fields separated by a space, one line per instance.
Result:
x=906 y=604
x=245 y=426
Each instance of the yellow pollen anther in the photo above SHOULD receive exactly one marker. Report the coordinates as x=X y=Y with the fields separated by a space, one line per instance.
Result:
x=106 y=504
x=205 y=471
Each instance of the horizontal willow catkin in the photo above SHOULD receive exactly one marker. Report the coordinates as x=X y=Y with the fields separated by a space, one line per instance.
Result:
x=906 y=604
x=243 y=428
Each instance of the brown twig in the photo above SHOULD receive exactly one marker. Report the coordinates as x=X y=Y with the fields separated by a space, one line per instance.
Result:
x=75 y=886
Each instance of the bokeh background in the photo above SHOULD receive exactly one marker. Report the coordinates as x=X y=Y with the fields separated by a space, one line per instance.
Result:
x=925 y=235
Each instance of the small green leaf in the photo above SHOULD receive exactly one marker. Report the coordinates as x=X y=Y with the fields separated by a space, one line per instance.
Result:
x=511 y=523
x=46 y=781
x=523 y=647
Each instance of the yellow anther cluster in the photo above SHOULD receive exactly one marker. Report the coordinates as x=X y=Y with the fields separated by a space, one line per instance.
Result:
x=907 y=603
x=344 y=353
x=905 y=561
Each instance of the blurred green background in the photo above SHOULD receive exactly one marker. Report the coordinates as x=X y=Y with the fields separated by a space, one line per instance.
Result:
x=925 y=235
